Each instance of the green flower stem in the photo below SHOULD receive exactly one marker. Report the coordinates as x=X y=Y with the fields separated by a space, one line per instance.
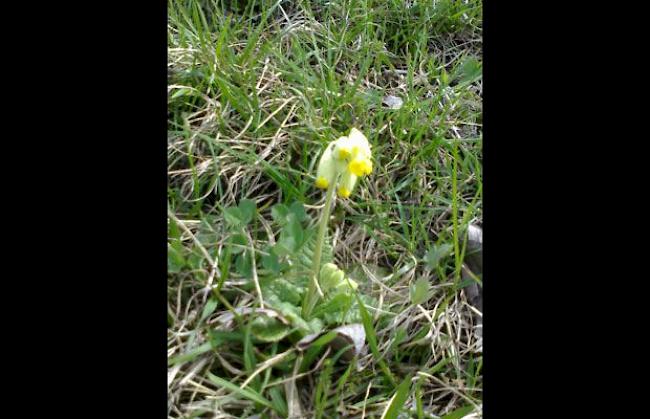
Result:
x=312 y=297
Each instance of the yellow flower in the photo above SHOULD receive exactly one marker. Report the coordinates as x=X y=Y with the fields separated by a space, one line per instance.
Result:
x=360 y=166
x=359 y=143
x=342 y=148
x=326 y=172
x=346 y=184
x=360 y=163
x=348 y=156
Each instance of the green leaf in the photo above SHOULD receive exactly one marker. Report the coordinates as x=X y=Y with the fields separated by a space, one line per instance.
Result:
x=243 y=265
x=247 y=208
x=195 y=258
x=420 y=291
x=209 y=308
x=268 y=329
x=244 y=392
x=233 y=216
x=279 y=213
x=290 y=312
x=436 y=253
x=284 y=291
x=459 y=413
x=270 y=261
x=397 y=401
x=291 y=239
x=174 y=235
x=298 y=211
x=206 y=234
x=285 y=246
x=219 y=337
x=175 y=260
x=470 y=71
x=316 y=325
x=334 y=308
x=239 y=242
x=294 y=229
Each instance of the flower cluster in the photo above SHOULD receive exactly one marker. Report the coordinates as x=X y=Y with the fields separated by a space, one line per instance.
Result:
x=344 y=160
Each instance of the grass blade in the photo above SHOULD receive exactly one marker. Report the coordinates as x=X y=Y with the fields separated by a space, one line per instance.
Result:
x=191 y=354
x=396 y=403
x=459 y=413
x=244 y=392
x=372 y=340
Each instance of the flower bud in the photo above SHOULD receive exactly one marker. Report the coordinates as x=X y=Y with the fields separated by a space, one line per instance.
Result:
x=330 y=276
x=326 y=172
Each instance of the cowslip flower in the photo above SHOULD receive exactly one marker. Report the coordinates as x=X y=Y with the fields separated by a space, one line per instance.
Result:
x=344 y=160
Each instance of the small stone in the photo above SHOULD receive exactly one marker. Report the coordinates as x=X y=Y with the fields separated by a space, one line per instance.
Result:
x=393 y=102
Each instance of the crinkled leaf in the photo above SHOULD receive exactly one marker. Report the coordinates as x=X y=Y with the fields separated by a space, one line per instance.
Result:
x=305 y=255
x=283 y=290
x=420 y=291
x=290 y=312
x=268 y=329
x=436 y=253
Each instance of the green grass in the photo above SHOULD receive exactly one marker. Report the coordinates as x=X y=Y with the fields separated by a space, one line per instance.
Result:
x=256 y=90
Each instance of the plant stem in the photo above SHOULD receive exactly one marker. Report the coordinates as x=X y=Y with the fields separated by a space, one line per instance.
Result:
x=311 y=297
